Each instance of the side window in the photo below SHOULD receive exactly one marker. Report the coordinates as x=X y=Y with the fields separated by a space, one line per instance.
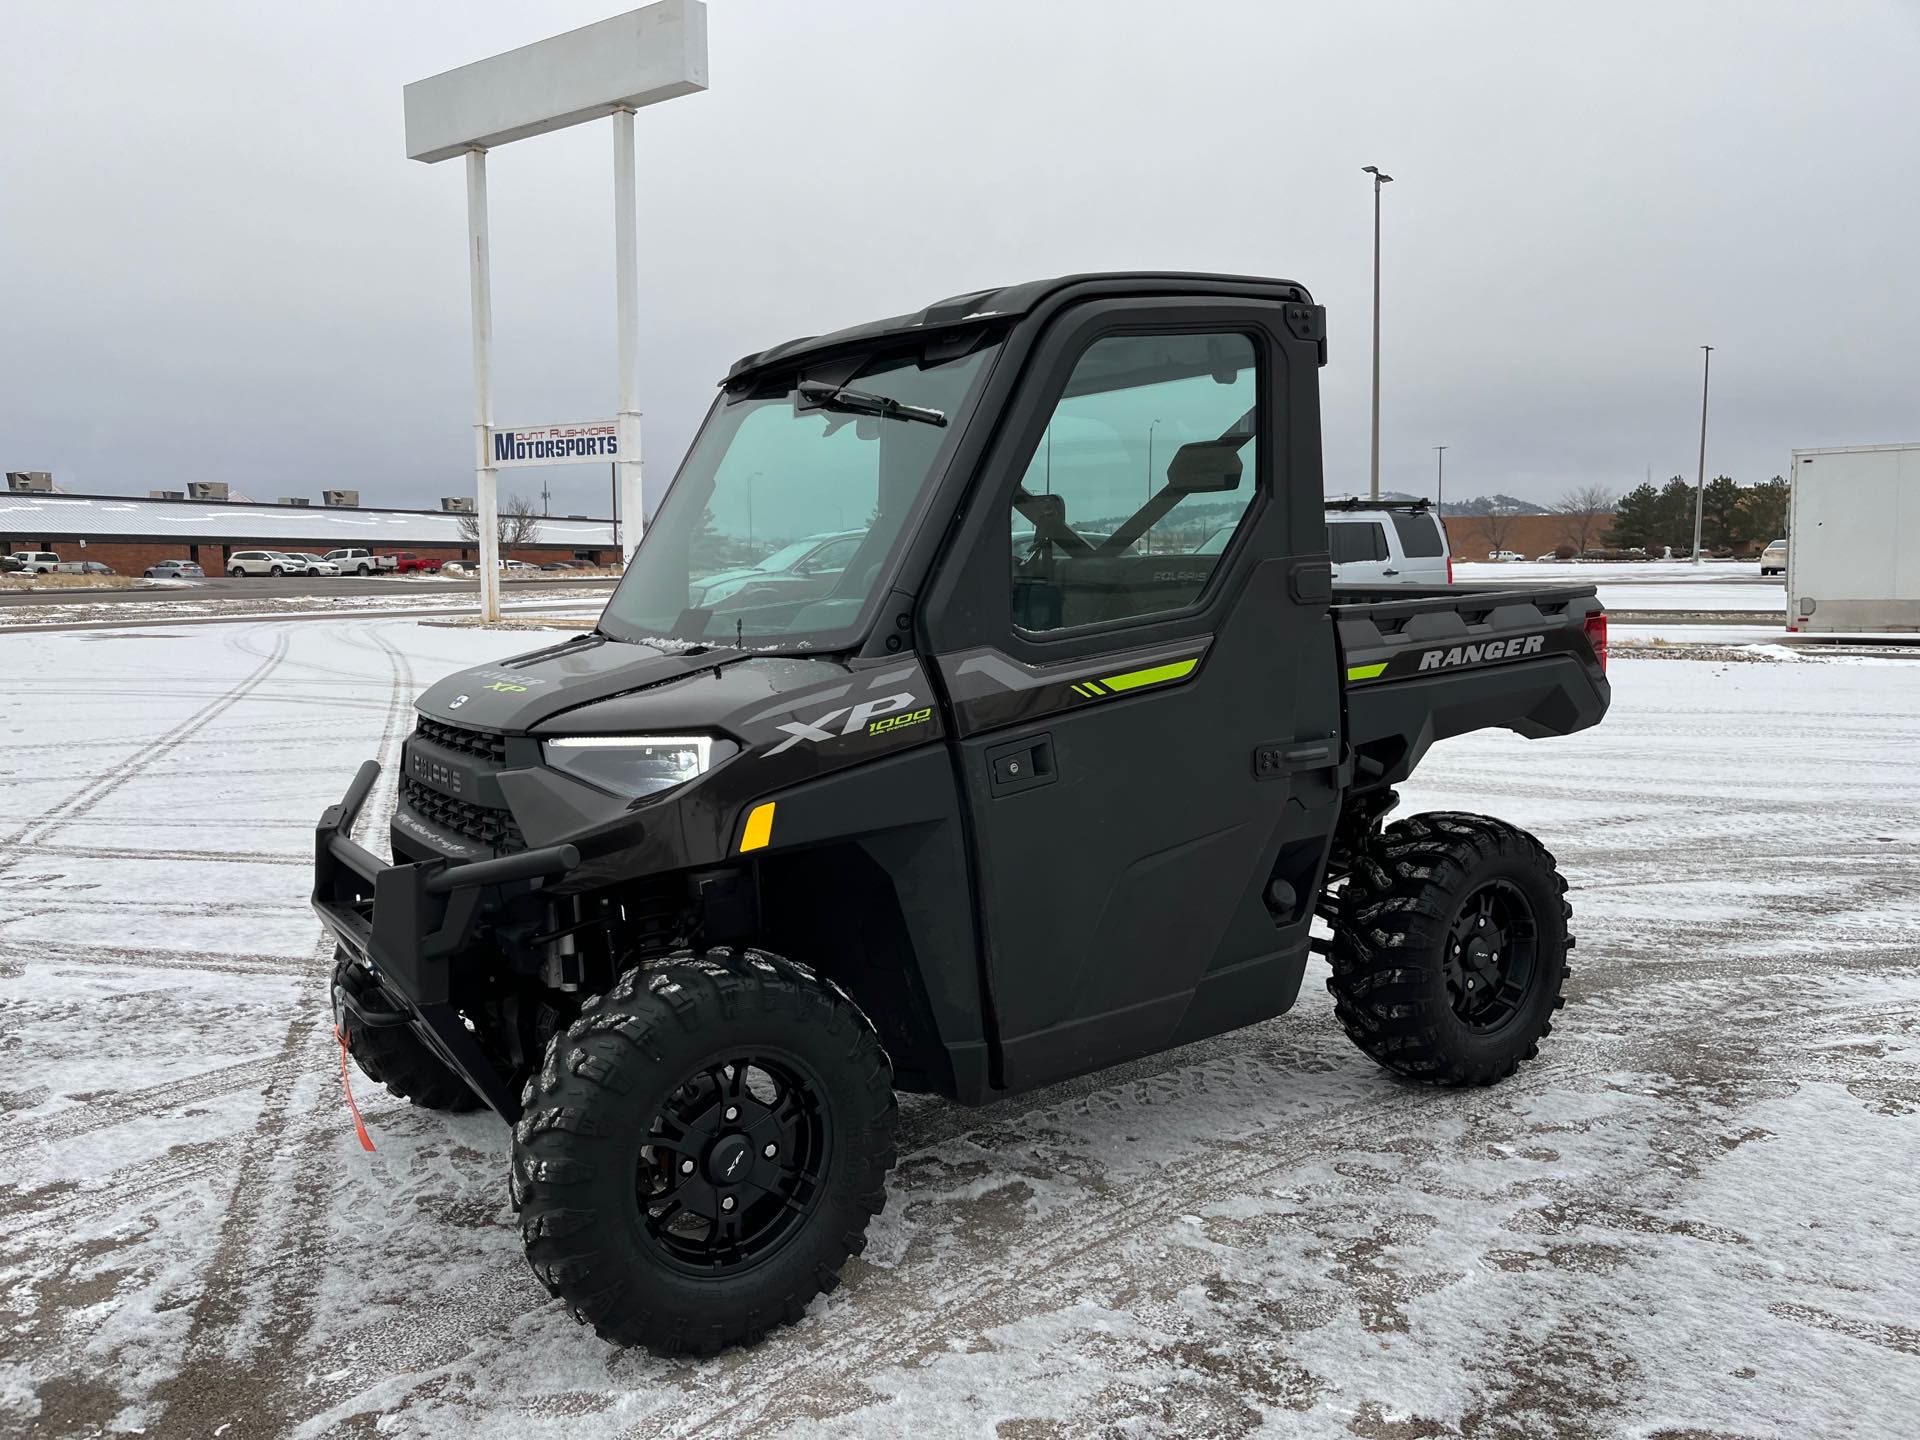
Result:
x=832 y=557
x=1353 y=540
x=1144 y=473
x=1419 y=534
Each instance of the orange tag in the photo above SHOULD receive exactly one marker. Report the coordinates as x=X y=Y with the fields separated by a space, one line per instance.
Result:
x=359 y=1126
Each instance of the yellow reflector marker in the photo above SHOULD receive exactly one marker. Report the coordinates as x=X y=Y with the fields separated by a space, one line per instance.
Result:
x=1365 y=672
x=759 y=832
x=1158 y=675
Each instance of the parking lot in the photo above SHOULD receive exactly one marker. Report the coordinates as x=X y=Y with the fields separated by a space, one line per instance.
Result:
x=1689 y=1217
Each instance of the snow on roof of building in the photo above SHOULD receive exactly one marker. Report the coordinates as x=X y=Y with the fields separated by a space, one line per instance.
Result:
x=134 y=518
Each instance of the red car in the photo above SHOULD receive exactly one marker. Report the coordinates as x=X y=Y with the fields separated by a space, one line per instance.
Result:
x=406 y=562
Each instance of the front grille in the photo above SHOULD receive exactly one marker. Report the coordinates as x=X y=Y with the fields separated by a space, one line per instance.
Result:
x=480 y=744
x=481 y=823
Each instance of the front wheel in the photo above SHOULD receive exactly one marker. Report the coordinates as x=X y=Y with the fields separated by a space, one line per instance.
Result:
x=702 y=1151
x=1449 y=948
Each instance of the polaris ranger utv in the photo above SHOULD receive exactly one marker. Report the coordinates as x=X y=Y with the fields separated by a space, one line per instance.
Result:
x=1028 y=777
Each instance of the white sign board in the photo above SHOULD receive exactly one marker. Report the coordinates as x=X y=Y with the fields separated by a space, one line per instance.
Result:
x=584 y=442
x=640 y=58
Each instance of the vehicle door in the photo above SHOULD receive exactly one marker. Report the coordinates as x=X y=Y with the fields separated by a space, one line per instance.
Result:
x=1361 y=555
x=1145 y=723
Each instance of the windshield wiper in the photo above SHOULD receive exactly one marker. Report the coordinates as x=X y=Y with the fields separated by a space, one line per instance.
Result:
x=822 y=396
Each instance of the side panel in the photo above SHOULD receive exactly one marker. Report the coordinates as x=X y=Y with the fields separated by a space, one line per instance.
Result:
x=1853 y=557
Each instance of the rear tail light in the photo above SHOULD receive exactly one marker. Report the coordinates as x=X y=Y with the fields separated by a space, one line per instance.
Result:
x=1597 y=637
x=1449 y=569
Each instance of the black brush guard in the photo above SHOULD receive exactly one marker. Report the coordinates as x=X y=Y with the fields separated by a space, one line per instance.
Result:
x=407 y=924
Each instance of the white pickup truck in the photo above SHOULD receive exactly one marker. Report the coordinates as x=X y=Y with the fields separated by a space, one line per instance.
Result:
x=361 y=562
x=37 y=562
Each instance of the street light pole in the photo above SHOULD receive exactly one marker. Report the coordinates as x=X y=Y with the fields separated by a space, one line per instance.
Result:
x=1378 y=180
x=1440 y=480
x=1700 y=488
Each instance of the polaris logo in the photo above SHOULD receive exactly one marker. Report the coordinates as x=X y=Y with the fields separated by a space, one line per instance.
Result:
x=1487 y=650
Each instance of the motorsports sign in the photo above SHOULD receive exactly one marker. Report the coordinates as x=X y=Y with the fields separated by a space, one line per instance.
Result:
x=596 y=441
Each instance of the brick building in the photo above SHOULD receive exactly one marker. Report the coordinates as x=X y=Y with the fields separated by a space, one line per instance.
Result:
x=1528 y=535
x=129 y=534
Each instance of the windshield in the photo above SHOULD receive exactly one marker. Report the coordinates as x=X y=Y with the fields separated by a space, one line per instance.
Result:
x=779 y=525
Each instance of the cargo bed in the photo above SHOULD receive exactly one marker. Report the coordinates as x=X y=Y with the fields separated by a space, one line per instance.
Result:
x=1422 y=663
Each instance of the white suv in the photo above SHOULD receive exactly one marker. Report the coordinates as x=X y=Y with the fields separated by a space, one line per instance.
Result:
x=1387 y=542
x=259 y=562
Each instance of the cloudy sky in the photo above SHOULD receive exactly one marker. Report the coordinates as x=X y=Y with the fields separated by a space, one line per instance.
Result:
x=216 y=263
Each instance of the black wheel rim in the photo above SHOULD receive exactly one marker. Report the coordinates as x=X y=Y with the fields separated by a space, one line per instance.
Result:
x=735 y=1162
x=1492 y=957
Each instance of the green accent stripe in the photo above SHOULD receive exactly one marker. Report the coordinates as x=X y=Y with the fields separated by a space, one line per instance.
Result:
x=1157 y=675
x=1365 y=672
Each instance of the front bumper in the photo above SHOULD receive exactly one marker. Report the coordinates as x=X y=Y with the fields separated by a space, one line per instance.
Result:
x=406 y=924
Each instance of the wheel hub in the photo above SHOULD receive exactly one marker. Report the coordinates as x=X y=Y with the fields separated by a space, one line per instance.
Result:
x=734 y=1161
x=1490 y=953
x=729 y=1159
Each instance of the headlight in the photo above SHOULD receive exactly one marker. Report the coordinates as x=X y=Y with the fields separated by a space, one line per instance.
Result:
x=636 y=765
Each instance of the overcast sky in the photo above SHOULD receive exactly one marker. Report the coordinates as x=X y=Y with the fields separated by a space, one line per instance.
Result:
x=216 y=263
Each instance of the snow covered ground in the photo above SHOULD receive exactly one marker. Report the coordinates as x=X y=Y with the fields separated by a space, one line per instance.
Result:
x=1693 y=1216
x=1653 y=585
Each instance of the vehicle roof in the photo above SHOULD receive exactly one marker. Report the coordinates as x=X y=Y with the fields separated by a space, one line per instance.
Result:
x=1007 y=301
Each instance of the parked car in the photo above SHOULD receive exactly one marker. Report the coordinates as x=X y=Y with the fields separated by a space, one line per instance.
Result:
x=1773 y=559
x=515 y=565
x=174 y=570
x=562 y=565
x=361 y=562
x=37 y=562
x=295 y=564
x=798 y=571
x=82 y=567
x=1505 y=555
x=1387 y=542
x=257 y=562
x=10 y=566
x=317 y=565
x=408 y=563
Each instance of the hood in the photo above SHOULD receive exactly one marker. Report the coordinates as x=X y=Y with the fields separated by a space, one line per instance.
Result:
x=650 y=688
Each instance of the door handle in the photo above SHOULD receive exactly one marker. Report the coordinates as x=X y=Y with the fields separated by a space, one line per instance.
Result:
x=1020 y=765
x=1389 y=572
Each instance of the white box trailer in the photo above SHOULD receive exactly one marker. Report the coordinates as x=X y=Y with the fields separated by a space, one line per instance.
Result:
x=1853 y=539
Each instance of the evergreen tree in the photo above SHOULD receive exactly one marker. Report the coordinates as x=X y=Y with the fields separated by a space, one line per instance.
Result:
x=1675 y=525
x=1636 y=520
x=1720 y=518
x=1763 y=511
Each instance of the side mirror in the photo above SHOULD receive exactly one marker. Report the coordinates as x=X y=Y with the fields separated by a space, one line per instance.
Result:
x=1203 y=467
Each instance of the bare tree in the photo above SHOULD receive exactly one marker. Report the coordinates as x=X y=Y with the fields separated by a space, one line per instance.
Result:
x=519 y=525
x=1583 y=513
x=1494 y=527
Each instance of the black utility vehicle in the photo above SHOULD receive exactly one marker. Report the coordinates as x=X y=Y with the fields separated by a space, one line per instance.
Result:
x=1038 y=785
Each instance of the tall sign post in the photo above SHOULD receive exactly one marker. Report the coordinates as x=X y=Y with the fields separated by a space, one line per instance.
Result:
x=610 y=68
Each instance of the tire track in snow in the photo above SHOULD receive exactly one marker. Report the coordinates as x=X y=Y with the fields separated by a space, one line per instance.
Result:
x=89 y=795
x=259 y=1279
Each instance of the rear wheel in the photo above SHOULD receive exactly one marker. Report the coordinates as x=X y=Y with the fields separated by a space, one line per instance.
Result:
x=391 y=1056
x=702 y=1151
x=1450 y=947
